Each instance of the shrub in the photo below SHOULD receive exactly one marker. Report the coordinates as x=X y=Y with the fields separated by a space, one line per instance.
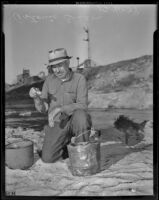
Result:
x=127 y=81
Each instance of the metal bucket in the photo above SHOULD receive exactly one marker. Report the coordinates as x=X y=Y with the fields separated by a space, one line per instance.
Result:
x=84 y=158
x=19 y=155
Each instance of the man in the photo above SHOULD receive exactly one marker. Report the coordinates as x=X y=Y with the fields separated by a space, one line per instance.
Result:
x=67 y=109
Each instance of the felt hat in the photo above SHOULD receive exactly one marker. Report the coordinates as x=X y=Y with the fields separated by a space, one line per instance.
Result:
x=57 y=56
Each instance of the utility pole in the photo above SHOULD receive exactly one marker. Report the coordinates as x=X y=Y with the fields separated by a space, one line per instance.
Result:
x=78 y=69
x=88 y=44
x=77 y=62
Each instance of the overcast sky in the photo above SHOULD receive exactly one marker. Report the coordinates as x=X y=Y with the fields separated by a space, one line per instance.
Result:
x=117 y=32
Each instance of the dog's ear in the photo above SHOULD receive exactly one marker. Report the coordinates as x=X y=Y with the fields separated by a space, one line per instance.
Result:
x=142 y=125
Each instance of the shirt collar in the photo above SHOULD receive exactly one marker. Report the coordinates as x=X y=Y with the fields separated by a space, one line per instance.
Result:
x=69 y=77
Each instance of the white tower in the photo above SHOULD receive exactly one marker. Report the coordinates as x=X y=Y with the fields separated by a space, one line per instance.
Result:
x=88 y=44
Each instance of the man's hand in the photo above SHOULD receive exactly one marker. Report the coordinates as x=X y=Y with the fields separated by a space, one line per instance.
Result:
x=34 y=92
x=52 y=116
x=40 y=105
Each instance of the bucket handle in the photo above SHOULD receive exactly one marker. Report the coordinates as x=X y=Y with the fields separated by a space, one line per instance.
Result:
x=92 y=130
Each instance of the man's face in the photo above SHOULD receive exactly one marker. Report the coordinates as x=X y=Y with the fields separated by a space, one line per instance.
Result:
x=61 y=70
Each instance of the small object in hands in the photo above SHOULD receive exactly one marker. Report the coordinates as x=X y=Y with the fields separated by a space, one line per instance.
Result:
x=34 y=92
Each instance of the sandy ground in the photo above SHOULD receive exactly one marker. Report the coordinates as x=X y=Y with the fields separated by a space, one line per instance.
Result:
x=125 y=170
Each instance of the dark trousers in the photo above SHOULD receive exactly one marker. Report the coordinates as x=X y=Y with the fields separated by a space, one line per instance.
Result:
x=57 y=137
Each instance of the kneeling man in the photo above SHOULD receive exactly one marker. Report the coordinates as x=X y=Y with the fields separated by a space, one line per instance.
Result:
x=64 y=97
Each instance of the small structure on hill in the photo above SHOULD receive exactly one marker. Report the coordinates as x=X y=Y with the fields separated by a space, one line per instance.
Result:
x=22 y=78
x=25 y=78
x=85 y=65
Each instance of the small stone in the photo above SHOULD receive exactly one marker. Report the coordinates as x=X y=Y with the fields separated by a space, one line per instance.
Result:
x=133 y=190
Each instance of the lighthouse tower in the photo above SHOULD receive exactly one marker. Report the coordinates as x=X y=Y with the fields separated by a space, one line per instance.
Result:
x=88 y=46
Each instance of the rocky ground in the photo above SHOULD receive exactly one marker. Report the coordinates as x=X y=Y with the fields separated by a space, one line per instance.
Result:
x=125 y=170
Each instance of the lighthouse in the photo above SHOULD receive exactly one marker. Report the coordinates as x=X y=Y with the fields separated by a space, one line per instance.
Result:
x=88 y=61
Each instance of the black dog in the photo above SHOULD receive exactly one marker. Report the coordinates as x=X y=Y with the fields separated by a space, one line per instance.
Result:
x=126 y=125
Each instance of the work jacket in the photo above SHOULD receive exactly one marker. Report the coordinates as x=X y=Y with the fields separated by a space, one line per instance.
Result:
x=70 y=95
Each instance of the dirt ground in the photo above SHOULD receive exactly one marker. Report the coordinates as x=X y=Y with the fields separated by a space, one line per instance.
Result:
x=126 y=170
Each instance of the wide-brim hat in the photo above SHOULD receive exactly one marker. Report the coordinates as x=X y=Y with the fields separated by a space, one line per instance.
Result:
x=57 y=56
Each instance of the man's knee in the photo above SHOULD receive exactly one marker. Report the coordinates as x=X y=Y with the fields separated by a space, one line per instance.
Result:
x=46 y=159
x=80 y=122
x=50 y=157
x=53 y=143
x=46 y=155
x=81 y=115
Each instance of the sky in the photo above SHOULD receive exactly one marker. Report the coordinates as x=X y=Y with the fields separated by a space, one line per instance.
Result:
x=117 y=32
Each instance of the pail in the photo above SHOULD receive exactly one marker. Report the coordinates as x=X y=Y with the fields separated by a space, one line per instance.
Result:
x=19 y=155
x=84 y=158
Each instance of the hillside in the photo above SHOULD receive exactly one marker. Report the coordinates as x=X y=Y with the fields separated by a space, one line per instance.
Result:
x=7 y=86
x=124 y=84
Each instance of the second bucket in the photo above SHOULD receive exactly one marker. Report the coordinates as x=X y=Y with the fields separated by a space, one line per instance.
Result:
x=84 y=158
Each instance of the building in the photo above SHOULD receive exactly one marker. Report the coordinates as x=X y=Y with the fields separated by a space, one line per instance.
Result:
x=32 y=79
x=25 y=78
x=86 y=64
x=22 y=78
